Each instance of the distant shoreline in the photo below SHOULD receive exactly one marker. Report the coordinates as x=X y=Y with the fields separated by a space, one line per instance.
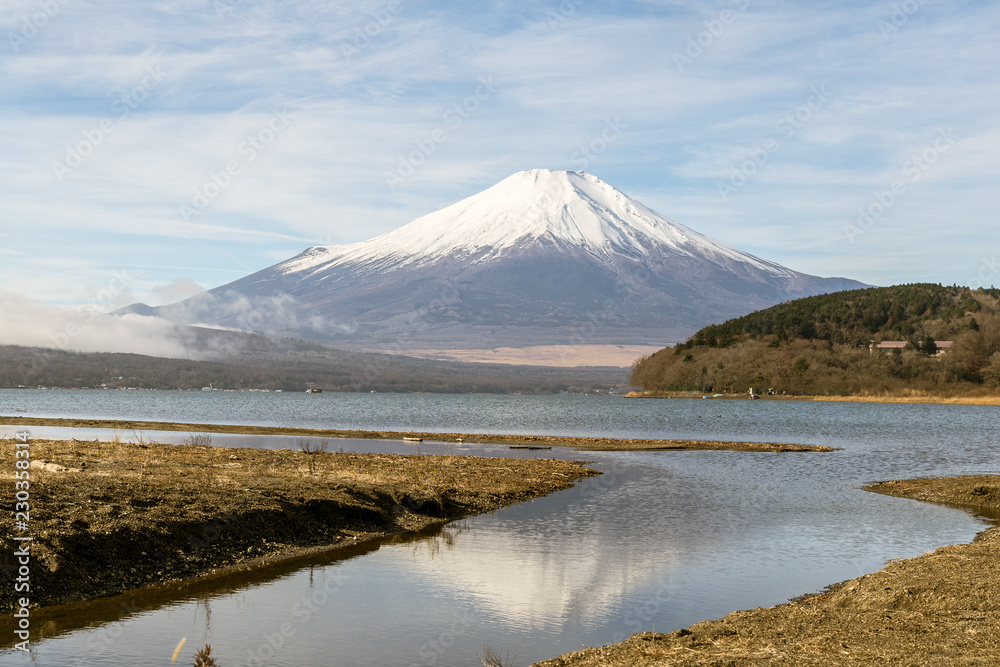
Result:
x=915 y=398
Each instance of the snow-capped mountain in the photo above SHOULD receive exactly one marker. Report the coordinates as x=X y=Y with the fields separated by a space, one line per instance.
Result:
x=574 y=208
x=541 y=258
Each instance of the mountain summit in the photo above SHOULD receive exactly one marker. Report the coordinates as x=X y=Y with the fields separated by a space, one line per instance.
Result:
x=575 y=209
x=542 y=258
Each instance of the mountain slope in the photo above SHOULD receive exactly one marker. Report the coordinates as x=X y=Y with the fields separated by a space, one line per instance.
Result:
x=530 y=207
x=542 y=258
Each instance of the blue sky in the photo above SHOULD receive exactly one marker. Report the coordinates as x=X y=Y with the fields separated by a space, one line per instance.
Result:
x=153 y=149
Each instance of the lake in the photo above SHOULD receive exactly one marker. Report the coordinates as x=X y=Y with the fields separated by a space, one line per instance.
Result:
x=660 y=541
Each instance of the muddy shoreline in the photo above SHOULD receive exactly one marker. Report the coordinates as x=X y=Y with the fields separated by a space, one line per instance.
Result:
x=941 y=608
x=914 y=398
x=107 y=518
x=584 y=444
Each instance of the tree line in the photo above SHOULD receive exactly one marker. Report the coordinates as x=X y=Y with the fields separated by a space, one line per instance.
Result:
x=827 y=344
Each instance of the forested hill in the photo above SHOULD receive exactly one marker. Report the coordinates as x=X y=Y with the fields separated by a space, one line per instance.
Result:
x=821 y=345
x=902 y=312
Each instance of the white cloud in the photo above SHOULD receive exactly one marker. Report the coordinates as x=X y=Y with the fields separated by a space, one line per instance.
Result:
x=83 y=329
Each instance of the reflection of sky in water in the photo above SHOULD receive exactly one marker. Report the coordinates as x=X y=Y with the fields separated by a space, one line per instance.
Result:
x=664 y=539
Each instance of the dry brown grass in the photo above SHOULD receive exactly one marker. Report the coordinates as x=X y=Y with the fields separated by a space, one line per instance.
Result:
x=905 y=396
x=491 y=657
x=912 y=397
x=125 y=515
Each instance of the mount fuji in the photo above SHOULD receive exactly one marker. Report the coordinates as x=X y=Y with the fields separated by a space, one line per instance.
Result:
x=542 y=258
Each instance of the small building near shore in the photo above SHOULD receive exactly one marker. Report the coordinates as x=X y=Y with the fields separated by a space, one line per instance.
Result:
x=941 y=345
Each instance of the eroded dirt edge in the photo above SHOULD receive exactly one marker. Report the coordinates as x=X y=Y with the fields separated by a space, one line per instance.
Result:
x=110 y=517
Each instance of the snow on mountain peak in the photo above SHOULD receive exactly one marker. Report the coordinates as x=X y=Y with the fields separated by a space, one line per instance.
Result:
x=571 y=207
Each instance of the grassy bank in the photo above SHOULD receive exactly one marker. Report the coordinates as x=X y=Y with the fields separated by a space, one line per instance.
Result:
x=110 y=517
x=898 y=397
x=941 y=608
x=915 y=397
x=586 y=444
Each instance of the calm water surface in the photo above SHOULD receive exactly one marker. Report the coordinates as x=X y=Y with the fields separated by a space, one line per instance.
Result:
x=662 y=540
